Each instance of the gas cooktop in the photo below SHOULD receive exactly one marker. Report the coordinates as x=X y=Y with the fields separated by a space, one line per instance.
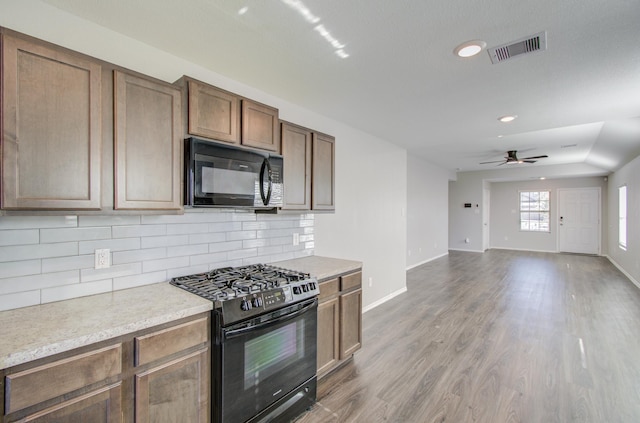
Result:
x=246 y=291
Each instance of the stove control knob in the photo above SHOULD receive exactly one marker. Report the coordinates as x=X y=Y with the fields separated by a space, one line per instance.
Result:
x=245 y=305
x=297 y=290
x=257 y=302
x=305 y=287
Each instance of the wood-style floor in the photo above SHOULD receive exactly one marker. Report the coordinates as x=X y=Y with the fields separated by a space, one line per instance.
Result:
x=504 y=336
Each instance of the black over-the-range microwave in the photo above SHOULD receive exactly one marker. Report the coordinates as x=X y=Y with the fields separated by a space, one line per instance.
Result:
x=227 y=176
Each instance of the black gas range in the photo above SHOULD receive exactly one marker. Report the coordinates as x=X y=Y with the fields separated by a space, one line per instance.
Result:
x=264 y=332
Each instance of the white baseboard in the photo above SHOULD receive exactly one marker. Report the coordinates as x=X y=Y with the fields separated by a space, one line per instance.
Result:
x=468 y=251
x=383 y=300
x=427 y=261
x=524 y=249
x=624 y=272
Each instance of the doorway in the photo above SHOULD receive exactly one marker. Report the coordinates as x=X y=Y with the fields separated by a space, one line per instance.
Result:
x=579 y=220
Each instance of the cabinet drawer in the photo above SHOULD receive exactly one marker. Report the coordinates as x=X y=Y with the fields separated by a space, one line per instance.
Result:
x=351 y=281
x=328 y=289
x=52 y=380
x=163 y=343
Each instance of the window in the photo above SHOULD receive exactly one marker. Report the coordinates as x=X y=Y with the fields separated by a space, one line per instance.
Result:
x=534 y=211
x=622 y=217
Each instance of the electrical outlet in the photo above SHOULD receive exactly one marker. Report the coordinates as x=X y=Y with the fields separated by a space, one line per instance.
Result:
x=296 y=239
x=103 y=258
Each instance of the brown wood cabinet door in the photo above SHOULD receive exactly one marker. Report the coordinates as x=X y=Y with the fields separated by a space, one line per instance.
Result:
x=323 y=167
x=350 y=323
x=328 y=339
x=101 y=406
x=175 y=392
x=148 y=140
x=213 y=113
x=296 y=152
x=51 y=136
x=260 y=126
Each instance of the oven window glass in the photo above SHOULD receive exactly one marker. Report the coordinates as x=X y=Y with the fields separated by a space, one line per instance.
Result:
x=272 y=352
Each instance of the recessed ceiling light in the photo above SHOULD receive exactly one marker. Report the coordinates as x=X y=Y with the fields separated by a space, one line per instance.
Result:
x=508 y=118
x=243 y=10
x=469 y=48
x=542 y=178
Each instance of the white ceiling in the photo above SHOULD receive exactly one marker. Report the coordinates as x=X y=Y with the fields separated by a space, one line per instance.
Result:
x=577 y=102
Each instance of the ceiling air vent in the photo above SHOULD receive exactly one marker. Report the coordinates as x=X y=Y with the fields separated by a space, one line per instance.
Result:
x=537 y=42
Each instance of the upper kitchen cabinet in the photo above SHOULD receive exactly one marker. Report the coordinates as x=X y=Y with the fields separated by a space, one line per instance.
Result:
x=51 y=128
x=260 y=126
x=296 y=153
x=212 y=112
x=147 y=144
x=223 y=116
x=309 y=159
x=323 y=168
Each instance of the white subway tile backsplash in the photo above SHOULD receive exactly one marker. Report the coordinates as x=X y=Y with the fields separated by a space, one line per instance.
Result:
x=37 y=222
x=19 y=300
x=207 y=237
x=89 y=275
x=241 y=235
x=108 y=220
x=241 y=254
x=139 y=231
x=187 y=250
x=225 y=246
x=29 y=252
x=66 y=292
x=191 y=270
x=131 y=256
x=19 y=237
x=121 y=244
x=74 y=234
x=164 y=241
x=126 y=282
x=51 y=258
x=33 y=282
x=20 y=268
x=208 y=258
x=189 y=228
x=67 y=263
x=225 y=226
x=164 y=264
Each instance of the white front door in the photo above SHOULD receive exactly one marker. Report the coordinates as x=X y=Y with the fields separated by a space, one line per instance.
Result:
x=579 y=220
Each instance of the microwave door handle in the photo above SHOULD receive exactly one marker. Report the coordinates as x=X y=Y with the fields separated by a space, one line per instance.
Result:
x=265 y=197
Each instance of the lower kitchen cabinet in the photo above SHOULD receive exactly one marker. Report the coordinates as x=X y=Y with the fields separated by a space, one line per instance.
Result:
x=157 y=375
x=339 y=321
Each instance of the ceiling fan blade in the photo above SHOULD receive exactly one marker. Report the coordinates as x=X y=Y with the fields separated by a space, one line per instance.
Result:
x=495 y=161
x=528 y=161
x=535 y=157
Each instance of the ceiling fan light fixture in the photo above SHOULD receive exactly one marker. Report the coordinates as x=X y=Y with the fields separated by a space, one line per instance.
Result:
x=507 y=118
x=469 y=48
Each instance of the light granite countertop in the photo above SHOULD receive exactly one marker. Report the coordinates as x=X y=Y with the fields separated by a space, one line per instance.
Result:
x=321 y=267
x=35 y=332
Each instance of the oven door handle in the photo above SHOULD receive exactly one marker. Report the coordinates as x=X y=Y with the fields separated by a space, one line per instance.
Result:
x=238 y=332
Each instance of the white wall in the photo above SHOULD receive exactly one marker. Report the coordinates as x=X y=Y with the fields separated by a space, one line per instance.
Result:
x=504 y=213
x=427 y=211
x=369 y=224
x=468 y=188
x=628 y=261
x=370 y=173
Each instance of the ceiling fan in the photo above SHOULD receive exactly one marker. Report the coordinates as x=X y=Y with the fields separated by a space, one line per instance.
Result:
x=512 y=158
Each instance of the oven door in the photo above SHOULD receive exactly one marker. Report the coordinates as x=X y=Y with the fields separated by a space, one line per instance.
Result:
x=266 y=358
